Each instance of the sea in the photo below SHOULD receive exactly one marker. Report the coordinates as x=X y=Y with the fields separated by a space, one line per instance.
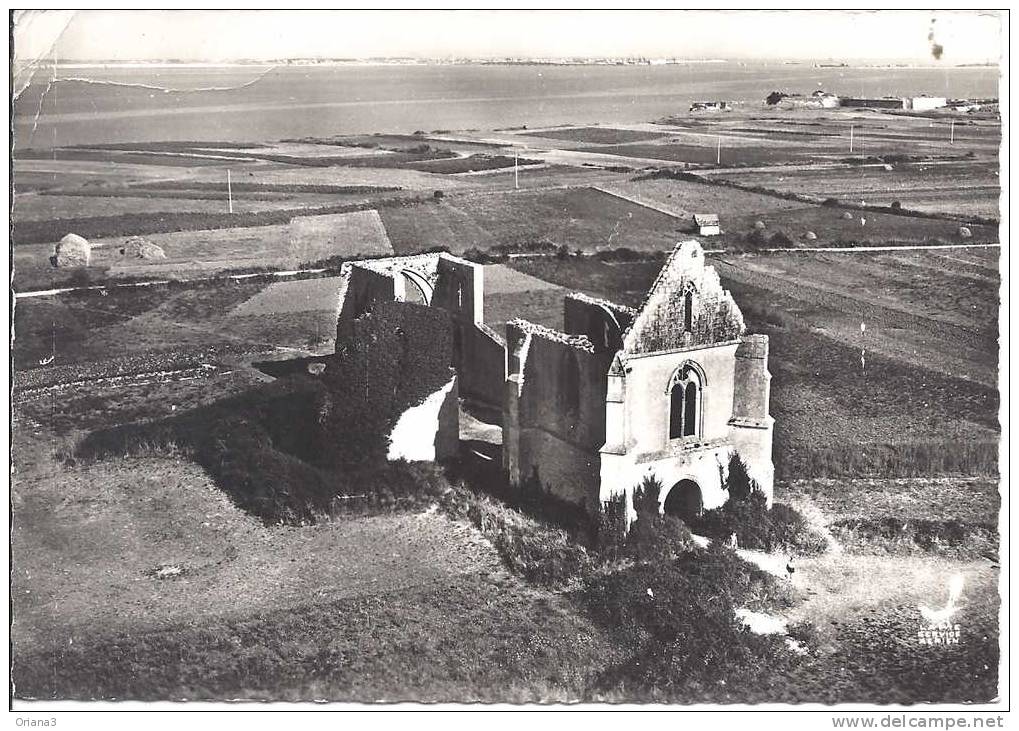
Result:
x=78 y=105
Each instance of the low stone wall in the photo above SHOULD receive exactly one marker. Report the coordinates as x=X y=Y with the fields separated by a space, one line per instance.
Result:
x=559 y=468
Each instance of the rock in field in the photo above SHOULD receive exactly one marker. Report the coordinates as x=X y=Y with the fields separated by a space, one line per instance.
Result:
x=137 y=247
x=72 y=251
x=846 y=215
x=760 y=225
x=810 y=236
x=964 y=232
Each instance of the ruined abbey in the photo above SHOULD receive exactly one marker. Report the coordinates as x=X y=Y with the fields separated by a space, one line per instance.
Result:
x=671 y=389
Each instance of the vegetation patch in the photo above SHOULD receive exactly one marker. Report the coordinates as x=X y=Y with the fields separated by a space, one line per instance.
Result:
x=472 y=164
x=747 y=516
x=677 y=620
x=97 y=227
x=540 y=553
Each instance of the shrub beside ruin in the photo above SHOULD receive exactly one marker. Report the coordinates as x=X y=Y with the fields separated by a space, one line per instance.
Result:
x=746 y=514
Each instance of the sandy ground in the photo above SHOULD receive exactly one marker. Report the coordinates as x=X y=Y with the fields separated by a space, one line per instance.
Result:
x=302 y=295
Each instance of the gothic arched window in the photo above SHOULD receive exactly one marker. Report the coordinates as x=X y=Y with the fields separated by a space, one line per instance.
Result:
x=686 y=391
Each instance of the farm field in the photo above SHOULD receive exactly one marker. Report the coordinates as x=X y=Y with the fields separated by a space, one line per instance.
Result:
x=824 y=135
x=87 y=327
x=964 y=188
x=510 y=294
x=91 y=202
x=304 y=240
x=596 y=135
x=578 y=218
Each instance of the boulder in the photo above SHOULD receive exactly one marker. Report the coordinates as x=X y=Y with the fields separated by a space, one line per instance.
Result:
x=846 y=215
x=964 y=232
x=138 y=248
x=72 y=251
x=810 y=236
x=760 y=225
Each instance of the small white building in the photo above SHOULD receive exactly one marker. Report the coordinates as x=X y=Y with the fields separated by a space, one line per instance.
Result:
x=925 y=103
x=707 y=224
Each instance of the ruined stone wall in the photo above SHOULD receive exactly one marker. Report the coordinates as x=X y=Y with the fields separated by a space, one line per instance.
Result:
x=554 y=418
x=483 y=365
x=751 y=426
x=360 y=290
x=460 y=289
x=603 y=322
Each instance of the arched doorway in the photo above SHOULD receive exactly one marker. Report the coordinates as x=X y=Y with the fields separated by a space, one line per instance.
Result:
x=684 y=500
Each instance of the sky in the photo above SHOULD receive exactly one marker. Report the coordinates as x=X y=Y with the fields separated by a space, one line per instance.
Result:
x=228 y=35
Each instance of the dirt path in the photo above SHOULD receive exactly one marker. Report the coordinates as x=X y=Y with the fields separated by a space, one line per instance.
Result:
x=842 y=587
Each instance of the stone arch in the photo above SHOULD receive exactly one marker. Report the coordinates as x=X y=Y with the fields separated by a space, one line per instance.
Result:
x=684 y=500
x=419 y=291
x=611 y=329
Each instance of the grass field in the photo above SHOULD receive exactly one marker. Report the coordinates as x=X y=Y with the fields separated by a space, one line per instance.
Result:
x=708 y=154
x=89 y=327
x=582 y=218
x=960 y=187
x=158 y=603
x=947 y=517
x=302 y=240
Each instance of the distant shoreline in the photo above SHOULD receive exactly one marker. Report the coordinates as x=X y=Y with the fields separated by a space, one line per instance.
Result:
x=480 y=62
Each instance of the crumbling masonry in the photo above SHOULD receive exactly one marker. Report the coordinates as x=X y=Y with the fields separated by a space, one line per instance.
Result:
x=671 y=389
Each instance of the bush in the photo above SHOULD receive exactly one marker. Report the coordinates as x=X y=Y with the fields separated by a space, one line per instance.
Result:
x=678 y=620
x=738 y=482
x=80 y=278
x=647 y=496
x=611 y=537
x=780 y=529
x=541 y=554
x=781 y=238
x=658 y=538
x=438 y=195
